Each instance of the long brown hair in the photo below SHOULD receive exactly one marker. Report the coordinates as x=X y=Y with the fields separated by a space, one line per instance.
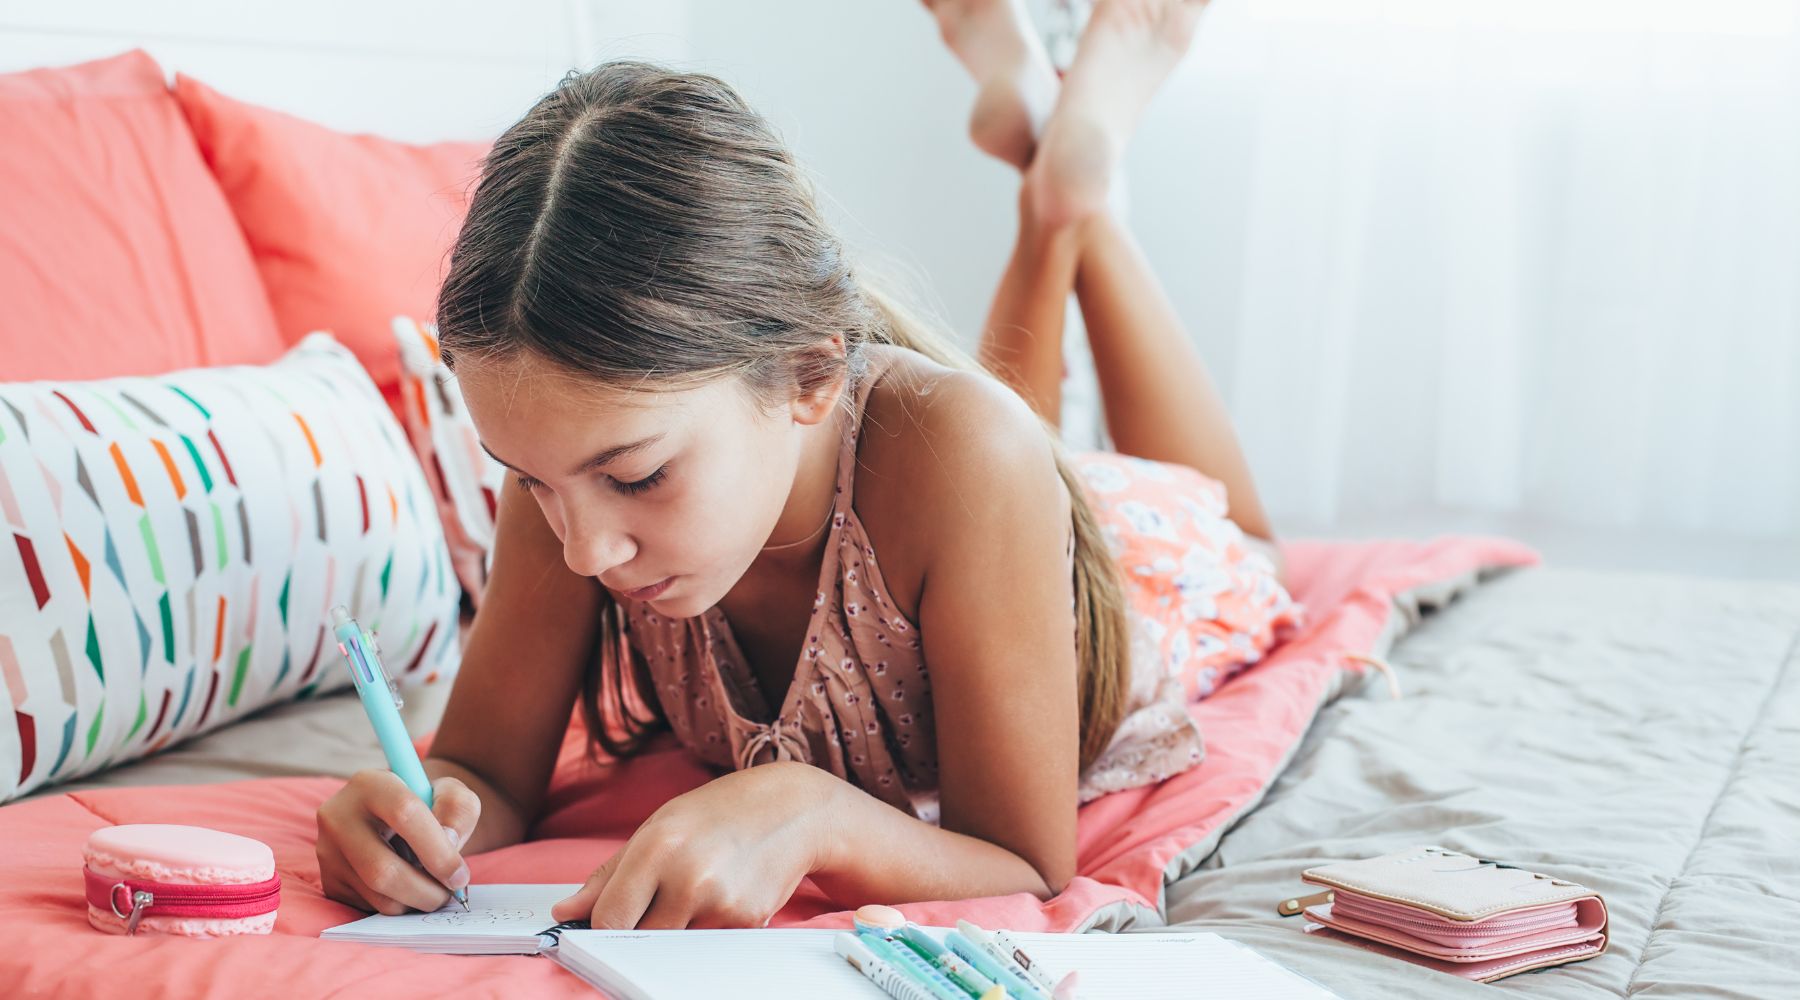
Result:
x=644 y=228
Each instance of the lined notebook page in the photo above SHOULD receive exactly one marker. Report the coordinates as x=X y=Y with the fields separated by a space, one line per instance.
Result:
x=500 y=918
x=783 y=964
x=1170 y=965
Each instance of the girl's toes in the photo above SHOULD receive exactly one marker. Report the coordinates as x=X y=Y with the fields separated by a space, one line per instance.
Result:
x=996 y=43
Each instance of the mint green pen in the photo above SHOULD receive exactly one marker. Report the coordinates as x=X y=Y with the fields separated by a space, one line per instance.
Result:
x=381 y=703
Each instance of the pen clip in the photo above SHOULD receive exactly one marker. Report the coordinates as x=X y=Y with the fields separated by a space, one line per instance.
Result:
x=362 y=650
x=381 y=674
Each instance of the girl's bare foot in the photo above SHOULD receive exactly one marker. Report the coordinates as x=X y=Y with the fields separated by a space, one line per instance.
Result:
x=1127 y=50
x=994 y=41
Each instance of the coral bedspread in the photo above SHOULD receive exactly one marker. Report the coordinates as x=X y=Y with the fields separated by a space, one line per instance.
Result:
x=1360 y=597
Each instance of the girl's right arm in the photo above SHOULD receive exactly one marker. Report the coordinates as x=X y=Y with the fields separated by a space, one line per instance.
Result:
x=497 y=744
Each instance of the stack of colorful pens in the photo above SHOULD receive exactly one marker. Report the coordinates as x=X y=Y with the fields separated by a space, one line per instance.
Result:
x=910 y=963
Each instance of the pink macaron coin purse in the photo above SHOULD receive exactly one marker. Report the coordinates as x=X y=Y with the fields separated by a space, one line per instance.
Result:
x=187 y=880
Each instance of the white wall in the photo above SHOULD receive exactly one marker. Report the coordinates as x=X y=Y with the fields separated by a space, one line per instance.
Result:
x=414 y=70
x=876 y=107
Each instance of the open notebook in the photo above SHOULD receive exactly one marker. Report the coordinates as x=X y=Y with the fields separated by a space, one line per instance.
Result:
x=782 y=964
x=501 y=920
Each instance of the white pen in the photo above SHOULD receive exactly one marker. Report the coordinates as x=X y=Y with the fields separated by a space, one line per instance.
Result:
x=1008 y=952
x=983 y=958
x=892 y=981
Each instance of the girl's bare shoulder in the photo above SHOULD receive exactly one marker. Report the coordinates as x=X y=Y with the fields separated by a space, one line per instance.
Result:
x=928 y=428
x=947 y=455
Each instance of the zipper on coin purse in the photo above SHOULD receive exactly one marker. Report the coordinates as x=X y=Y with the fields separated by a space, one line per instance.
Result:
x=132 y=899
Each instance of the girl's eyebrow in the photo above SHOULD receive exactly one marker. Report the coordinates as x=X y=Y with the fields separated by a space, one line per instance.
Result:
x=604 y=458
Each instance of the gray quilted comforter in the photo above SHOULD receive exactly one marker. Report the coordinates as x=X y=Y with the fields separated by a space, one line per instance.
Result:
x=1638 y=734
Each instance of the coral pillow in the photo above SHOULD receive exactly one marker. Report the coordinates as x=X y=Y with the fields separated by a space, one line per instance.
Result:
x=118 y=253
x=170 y=549
x=348 y=231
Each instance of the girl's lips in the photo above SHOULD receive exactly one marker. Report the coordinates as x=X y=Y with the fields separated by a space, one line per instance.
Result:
x=651 y=592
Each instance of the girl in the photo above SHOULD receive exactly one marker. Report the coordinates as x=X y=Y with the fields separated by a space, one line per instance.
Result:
x=770 y=498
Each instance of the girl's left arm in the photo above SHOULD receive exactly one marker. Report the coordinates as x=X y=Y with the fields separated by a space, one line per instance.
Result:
x=996 y=615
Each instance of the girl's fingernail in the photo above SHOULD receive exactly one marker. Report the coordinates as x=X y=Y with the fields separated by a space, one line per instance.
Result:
x=454 y=837
x=460 y=880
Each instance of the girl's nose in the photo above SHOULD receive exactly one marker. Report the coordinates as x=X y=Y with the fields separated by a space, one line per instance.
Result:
x=593 y=544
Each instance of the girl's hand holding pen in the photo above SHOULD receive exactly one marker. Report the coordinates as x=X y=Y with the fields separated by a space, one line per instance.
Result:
x=358 y=865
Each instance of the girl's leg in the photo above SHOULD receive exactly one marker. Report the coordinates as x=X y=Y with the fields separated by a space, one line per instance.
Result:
x=1127 y=50
x=1158 y=396
x=1017 y=87
x=1022 y=342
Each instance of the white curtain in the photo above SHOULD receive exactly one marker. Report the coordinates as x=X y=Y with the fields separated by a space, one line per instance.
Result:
x=1536 y=259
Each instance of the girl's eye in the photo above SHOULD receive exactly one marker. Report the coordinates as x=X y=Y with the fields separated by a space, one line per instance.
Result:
x=641 y=485
x=527 y=483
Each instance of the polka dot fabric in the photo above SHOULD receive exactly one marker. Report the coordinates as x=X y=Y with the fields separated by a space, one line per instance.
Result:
x=1201 y=597
x=1201 y=605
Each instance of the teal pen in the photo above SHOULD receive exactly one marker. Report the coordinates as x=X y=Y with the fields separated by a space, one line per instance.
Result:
x=957 y=969
x=964 y=975
x=910 y=964
x=382 y=704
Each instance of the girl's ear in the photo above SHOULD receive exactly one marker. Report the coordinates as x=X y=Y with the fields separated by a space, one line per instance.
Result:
x=819 y=371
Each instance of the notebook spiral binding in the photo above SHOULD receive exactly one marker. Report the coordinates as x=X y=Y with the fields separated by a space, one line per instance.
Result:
x=555 y=933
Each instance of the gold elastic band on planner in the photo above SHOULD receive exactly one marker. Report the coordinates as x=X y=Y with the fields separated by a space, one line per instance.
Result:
x=1292 y=907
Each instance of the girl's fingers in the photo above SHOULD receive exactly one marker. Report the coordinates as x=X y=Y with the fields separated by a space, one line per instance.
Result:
x=457 y=807
x=390 y=802
x=581 y=905
x=668 y=912
x=338 y=880
x=626 y=894
x=382 y=870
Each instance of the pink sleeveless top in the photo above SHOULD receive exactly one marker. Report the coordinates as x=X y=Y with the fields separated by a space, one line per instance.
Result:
x=860 y=705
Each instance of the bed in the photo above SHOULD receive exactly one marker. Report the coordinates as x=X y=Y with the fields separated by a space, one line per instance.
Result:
x=1638 y=733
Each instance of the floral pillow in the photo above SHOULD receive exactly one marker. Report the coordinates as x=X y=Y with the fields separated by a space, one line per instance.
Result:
x=171 y=547
x=464 y=480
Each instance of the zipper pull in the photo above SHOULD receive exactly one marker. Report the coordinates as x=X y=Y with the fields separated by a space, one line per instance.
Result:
x=141 y=900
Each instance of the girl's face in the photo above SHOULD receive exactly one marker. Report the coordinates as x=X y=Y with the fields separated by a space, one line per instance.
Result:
x=674 y=492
